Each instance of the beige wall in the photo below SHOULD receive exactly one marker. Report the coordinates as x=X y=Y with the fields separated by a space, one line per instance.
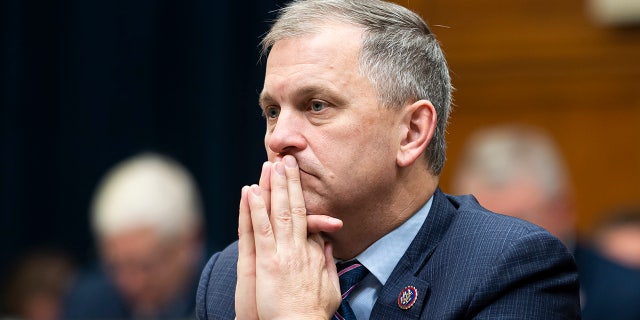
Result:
x=546 y=63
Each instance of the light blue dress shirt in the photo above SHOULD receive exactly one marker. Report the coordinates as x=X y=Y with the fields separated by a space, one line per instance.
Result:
x=381 y=258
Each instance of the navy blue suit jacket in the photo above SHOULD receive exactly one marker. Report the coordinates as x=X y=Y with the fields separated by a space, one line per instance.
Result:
x=466 y=263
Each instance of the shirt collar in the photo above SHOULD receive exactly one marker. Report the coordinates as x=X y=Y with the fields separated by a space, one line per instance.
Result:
x=383 y=255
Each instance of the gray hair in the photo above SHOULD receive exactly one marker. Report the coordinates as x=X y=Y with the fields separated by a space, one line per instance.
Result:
x=400 y=55
x=147 y=190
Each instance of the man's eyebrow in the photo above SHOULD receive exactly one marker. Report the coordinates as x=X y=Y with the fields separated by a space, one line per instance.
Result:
x=329 y=94
x=314 y=90
x=264 y=99
x=305 y=92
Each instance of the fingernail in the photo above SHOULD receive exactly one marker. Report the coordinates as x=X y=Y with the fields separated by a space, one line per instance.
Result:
x=290 y=161
x=279 y=168
x=335 y=220
x=255 y=189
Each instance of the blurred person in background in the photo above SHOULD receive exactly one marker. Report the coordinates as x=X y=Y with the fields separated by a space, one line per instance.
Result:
x=518 y=171
x=36 y=285
x=618 y=237
x=609 y=268
x=148 y=223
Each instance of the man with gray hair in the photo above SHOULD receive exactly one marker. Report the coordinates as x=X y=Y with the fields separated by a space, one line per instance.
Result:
x=147 y=220
x=519 y=171
x=347 y=220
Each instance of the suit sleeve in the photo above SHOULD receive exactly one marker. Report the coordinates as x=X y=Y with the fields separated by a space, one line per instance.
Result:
x=534 y=278
x=201 y=295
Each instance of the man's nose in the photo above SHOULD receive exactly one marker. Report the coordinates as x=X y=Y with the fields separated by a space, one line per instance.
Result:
x=287 y=134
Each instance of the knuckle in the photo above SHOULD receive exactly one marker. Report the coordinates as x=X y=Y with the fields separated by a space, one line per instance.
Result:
x=283 y=215
x=293 y=178
x=299 y=211
x=265 y=229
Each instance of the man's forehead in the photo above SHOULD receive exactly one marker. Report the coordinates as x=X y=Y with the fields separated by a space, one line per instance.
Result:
x=312 y=63
x=322 y=37
x=335 y=44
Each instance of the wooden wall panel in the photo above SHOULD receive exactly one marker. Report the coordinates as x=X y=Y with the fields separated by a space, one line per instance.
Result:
x=546 y=63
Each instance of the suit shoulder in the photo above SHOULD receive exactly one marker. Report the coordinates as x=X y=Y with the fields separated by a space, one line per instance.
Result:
x=216 y=290
x=488 y=224
x=486 y=263
x=221 y=265
x=486 y=237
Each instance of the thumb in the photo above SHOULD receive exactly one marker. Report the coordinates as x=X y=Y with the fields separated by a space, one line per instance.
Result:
x=322 y=223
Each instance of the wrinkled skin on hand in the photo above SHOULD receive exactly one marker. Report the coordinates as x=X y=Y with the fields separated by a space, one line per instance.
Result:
x=285 y=268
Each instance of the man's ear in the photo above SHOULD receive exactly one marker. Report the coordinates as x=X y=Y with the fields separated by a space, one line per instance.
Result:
x=417 y=128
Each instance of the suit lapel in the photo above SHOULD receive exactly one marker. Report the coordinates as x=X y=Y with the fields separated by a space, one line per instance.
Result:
x=407 y=272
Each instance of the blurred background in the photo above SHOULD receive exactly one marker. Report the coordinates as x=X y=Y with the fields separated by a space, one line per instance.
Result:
x=86 y=84
x=564 y=66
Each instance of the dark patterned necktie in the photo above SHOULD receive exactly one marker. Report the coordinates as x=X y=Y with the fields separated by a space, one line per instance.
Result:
x=350 y=273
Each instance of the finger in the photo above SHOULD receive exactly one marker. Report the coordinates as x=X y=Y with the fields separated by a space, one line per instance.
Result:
x=262 y=231
x=322 y=223
x=332 y=272
x=245 y=229
x=246 y=269
x=280 y=210
x=296 y=198
x=265 y=184
x=331 y=265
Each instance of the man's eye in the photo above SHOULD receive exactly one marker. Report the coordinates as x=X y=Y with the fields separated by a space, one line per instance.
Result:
x=317 y=106
x=271 y=112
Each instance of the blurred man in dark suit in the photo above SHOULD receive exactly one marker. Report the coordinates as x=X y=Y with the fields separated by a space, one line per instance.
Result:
x=609 y=267
x=520 y=171
x=147 y=219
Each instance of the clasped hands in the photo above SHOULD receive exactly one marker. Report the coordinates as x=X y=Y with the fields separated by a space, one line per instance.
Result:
x=285 y=268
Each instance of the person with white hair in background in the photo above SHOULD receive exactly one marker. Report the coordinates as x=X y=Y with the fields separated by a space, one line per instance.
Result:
x=519 y=171
x=148 y=223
